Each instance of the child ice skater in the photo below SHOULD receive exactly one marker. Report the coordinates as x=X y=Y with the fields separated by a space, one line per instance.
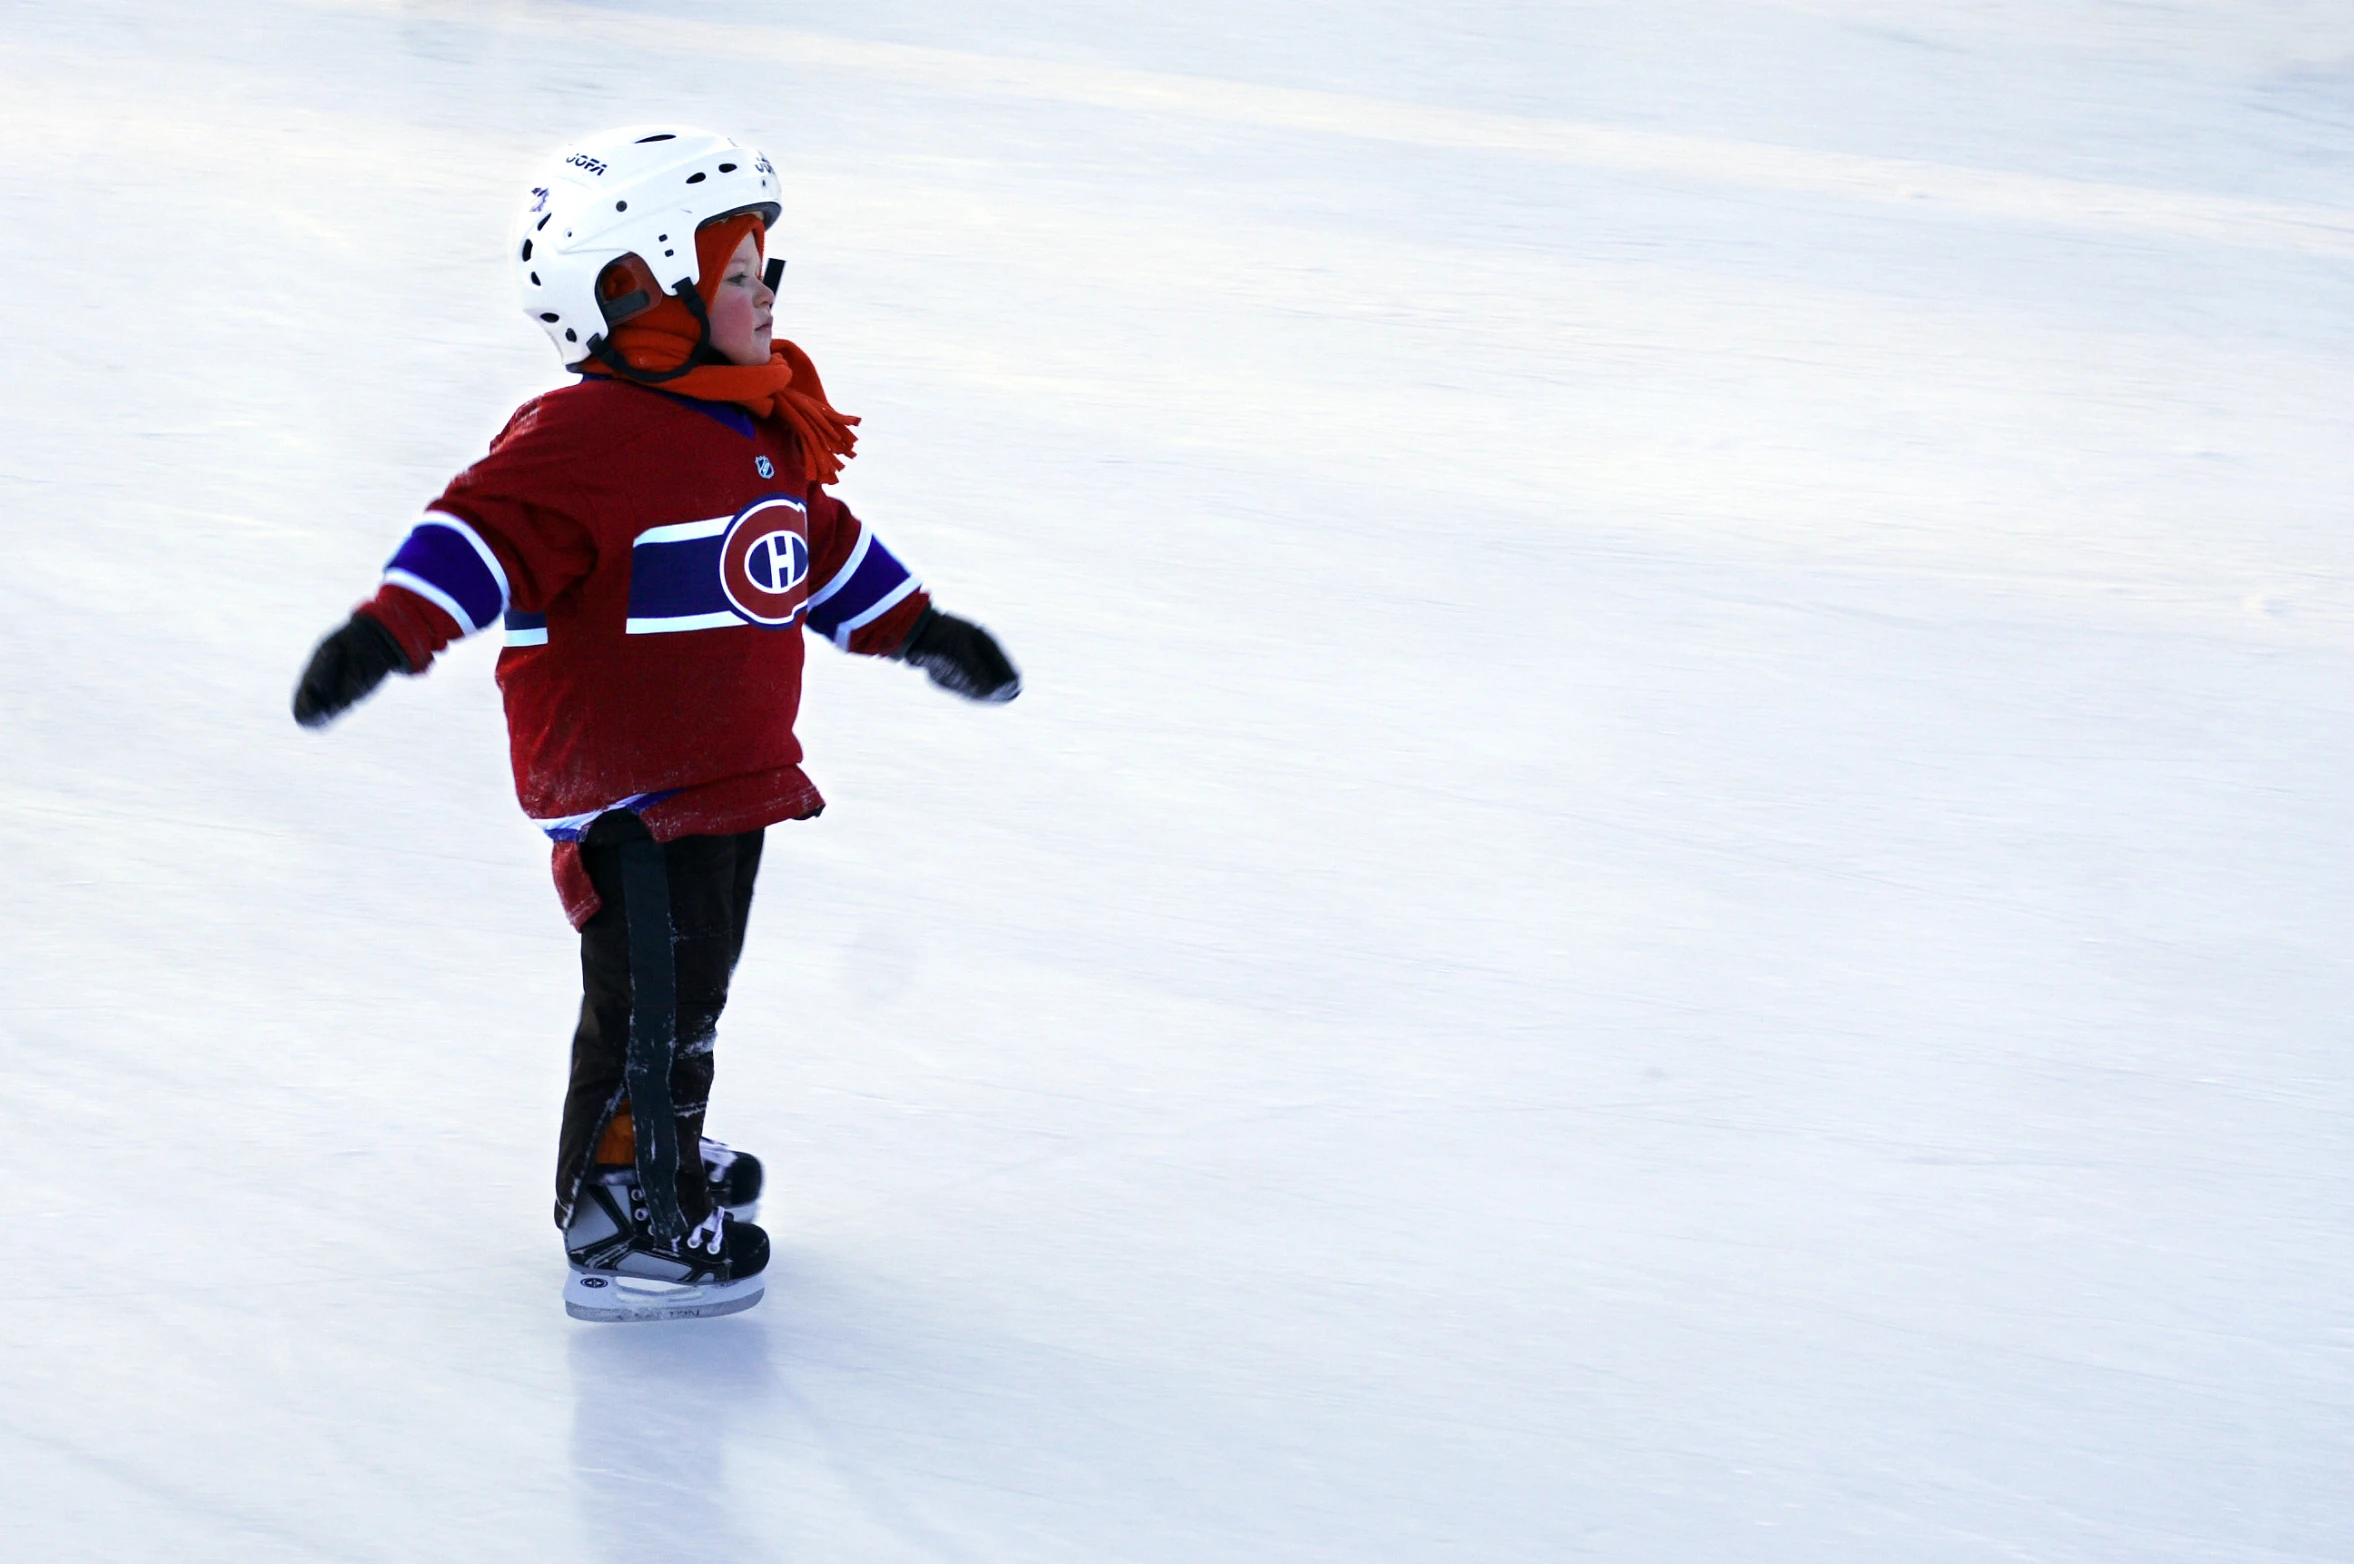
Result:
x=656 y=539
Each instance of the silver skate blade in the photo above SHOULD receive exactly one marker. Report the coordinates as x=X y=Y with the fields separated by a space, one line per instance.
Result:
x=622 y=1300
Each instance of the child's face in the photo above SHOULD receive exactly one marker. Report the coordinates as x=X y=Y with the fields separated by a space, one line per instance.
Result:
x=740 y=320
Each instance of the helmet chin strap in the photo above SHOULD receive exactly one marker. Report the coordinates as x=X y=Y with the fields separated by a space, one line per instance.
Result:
x=602 y=351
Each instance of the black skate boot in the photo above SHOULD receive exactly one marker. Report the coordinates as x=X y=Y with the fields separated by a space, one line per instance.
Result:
x=621 y=1271
x=734 y=1177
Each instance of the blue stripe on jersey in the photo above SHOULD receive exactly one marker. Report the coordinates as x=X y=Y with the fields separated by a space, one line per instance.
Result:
x=869 y=584
x=444 y=561
x=674 y=579
x=526 y=629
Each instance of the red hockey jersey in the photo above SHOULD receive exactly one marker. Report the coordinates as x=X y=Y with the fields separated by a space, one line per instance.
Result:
x=654 y=560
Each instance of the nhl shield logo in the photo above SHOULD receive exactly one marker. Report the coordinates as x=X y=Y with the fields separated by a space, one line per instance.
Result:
x=764 y=563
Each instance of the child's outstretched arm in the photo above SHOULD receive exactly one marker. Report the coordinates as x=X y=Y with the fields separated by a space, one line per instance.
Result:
x=503 y=535
x=865 y=601
x=401 y=629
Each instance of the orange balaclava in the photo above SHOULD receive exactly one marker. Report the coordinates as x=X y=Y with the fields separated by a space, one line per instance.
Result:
x=785 y=388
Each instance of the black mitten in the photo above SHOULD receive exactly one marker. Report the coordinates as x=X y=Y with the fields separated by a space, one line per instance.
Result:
x=960 y=658
x=347 y=665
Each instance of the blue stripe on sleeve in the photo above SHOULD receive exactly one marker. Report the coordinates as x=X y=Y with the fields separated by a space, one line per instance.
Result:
x=870 y=583
x=443 y=561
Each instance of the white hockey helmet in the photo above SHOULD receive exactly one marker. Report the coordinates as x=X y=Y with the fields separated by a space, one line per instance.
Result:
x=641 y=190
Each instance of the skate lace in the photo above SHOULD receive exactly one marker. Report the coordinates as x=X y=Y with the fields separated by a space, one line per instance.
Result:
x=710 y=1234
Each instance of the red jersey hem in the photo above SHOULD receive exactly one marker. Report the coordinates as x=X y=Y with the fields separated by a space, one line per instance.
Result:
x=715 y=809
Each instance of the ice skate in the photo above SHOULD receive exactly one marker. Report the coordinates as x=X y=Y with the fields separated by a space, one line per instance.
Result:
x=621 y=1272
x=734 y=1177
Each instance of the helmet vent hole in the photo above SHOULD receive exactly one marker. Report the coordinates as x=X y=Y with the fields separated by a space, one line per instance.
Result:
x=664 y=136
x=621 y=206
x=542 y=223
x=727 y=168
x=570 y=335
x=527 y=249
x=696 y=177
x=548 y=316
x=535 y=282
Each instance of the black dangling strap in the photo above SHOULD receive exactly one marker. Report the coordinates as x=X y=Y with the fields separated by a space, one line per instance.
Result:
x=602 y=351
x=653 y=1031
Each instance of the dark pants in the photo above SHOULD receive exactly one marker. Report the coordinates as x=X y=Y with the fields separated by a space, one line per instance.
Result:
x=710 y=882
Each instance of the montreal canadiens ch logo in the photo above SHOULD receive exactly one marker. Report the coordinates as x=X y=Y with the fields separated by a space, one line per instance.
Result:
x=764 y=563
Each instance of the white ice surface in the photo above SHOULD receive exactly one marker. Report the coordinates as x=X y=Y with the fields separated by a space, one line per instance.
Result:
x=1674 y=882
